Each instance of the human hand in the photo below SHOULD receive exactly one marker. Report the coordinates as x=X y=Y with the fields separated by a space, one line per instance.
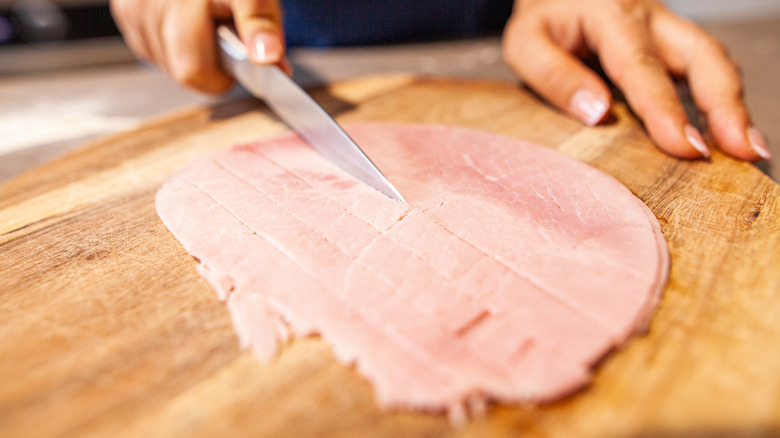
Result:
x=640 y=44
x=179 y=35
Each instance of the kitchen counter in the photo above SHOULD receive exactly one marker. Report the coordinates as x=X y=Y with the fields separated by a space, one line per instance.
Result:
x=42 y=115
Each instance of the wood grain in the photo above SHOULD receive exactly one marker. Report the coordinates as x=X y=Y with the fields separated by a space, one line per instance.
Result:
x=107 y=330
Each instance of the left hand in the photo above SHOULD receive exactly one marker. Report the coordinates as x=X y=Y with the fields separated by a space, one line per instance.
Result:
x=640 y=43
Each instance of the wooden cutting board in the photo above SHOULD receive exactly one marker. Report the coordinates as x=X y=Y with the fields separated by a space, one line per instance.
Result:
x=107 y=330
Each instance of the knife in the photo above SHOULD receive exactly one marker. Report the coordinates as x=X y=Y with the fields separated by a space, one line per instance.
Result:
x=299 y=111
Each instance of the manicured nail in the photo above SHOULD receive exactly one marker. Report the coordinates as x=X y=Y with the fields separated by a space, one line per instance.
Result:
x=694 y=138
x=758 y=143
x=588 y=107
x=266 y=48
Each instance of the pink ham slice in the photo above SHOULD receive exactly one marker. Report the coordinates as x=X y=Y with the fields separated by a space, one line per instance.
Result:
x=511 y=270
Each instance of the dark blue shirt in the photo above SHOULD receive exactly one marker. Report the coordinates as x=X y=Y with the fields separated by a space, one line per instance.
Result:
x=358 y=22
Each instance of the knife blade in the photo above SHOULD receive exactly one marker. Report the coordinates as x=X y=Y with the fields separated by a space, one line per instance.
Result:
x=299 y=111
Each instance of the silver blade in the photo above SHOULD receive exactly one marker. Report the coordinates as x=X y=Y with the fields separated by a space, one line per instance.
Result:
x=300 y=112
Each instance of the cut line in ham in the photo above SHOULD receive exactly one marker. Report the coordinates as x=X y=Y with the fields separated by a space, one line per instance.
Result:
x=511 y=270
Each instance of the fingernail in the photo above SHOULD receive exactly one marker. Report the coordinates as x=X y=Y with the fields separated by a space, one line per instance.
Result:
x=266 y=48
x=758 y=143
x=694 y=138
x=588 y=107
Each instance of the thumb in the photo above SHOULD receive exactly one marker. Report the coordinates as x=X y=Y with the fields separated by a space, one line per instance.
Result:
x=556 y=74
x=259 y=25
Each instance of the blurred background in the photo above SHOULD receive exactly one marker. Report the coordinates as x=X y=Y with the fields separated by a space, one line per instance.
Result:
x=66 y=75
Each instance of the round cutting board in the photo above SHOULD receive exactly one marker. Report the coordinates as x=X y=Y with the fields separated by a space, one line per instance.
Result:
x=106 y=329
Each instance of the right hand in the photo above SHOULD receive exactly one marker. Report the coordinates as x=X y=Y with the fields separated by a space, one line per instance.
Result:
x=179 y=36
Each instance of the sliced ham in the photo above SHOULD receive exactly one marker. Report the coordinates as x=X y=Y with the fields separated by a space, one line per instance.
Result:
x=509 y=272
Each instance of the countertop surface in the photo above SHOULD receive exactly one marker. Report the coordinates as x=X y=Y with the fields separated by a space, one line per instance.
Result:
x=42 y=115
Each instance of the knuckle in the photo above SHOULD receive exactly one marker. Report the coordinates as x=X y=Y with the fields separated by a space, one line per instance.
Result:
x=257 y=10
x=187 y=73
x=640 y=59
x=510 y=56
x=712 y=46
x=714 y=51
x=637 y=10
x=120 y=9
x=738 y=91
x=644 y=57
x=630 y=4
x=514 y=40
x=194 y=76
